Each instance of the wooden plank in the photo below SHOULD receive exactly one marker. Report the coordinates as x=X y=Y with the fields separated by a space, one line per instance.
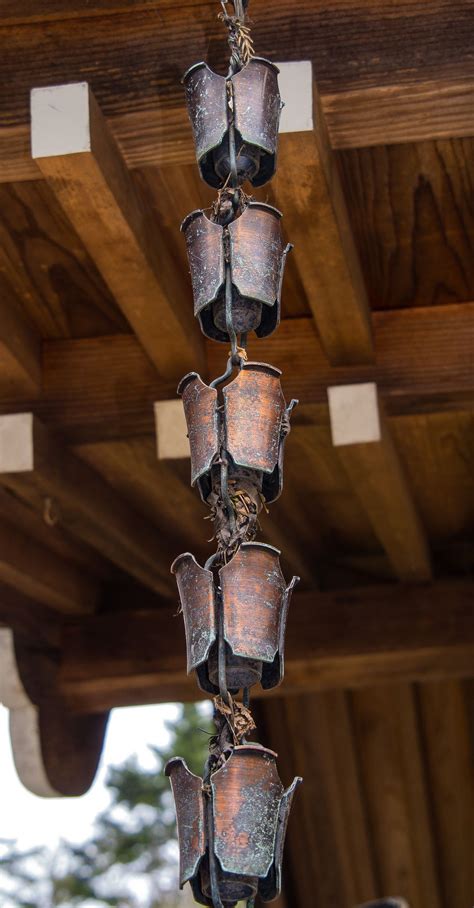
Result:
x=36 y=572
x=364 y=445
x=82 y=164
x=159 y=490
x=391 y=632
x=424 y=363
x=317 y=222
x=20 y=359
x=397 y=796
x=366 y=61
x=449 y=753
x=411 y=223
x=438 y=455
x=35 y=466
x=50 y=533
x=45 y=270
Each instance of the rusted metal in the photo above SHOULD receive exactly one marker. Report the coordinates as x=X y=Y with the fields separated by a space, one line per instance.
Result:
x=232 y=824
x=197 y=597
x=247 y=104
x=255 y=600
x=187 y=792
x=253 y=597
x=255 y=252
x=254 y=407
x=250 y=428
x=247 y=811
x=200 y=408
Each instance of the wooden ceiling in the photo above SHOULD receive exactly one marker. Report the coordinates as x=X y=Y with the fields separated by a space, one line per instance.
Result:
x=96 y=326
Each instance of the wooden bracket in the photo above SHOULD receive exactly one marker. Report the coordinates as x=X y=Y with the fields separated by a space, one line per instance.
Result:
x=55 y=752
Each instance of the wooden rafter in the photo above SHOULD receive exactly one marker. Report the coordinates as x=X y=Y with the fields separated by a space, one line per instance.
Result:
x=36 y=467
x=391 y=632
x=79 y=158
x=38 y=573
x=364 y=445
x=20 y=353
x=424 y=363
x=375 y=86
x=308 y=189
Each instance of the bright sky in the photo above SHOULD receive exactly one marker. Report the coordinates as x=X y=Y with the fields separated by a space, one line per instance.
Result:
x=43 y=821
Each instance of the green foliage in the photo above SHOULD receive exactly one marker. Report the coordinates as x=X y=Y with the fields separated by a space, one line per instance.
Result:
x=133 y=847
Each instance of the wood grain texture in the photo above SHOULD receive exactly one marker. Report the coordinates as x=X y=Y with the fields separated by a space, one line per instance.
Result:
x=45 y=269
x=20 y=362
x=379 y=481
x=332 y=804
x=116 y=225
x=437 y=451
x=334 y=640
x=317 y=221
x=444 y=715
x=39 y=574
x=393 y=774
x=88 y=507
x=424 y=363
x=365 y=56
x=413 y=221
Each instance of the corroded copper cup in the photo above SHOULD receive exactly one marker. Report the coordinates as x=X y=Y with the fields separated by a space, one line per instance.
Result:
x=250 y=427
x=251 y=597
x=247 y=103
x=236 y=824
x=256 y=257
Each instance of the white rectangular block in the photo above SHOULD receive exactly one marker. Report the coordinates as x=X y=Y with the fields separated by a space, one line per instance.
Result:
x=296 y=89
x=16 y=443
x=354 y=414
x=172 y=441
x=60 y=120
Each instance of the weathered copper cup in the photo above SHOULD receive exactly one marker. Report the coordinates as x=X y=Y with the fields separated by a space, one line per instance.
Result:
x=250 y=597
x=250 y=427
x=247 y=104
x=235 y=826
x=256 y=258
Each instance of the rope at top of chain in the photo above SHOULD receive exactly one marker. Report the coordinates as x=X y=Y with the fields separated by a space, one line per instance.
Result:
x=240 y=41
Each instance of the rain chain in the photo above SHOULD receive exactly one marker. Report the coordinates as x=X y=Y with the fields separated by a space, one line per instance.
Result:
x=232 y=822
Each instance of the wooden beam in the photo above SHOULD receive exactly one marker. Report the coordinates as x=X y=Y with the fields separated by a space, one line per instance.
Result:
x=35 y=571
x=20 y=353
x=79 y=158
x=308 y=190
x=424 y=364
x=390 y=633
x=374 y=84
x=30 y=618
x=363 y=443
x=36 y=467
